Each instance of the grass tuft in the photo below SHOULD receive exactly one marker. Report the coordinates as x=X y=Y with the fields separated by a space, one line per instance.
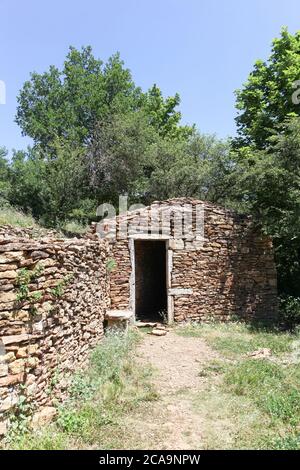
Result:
x=233 y=339
x=74 y=228
x=16 y=218
x=274 y=388
x=246 y=377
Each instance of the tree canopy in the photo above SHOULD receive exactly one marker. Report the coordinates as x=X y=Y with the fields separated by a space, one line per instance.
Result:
x=68 y=103
x=265 y=100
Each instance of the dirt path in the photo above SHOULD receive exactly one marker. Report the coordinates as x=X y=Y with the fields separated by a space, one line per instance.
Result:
x=173 y=422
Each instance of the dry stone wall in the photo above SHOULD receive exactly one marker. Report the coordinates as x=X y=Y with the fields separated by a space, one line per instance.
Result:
x=53 y=296
x=121 y=275
x=231 y=272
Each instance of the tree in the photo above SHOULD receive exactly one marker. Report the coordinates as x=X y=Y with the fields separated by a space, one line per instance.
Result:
x=127 y=156
x=266 y=98
x=162 y=114
x=69 y=103
x=193 y=168
x=27 y=170
x=4 y=176
x=49 y=188
x=65 y=185
x=266 y=183
x=215 y=165
x=97 y=135
x=119 y=159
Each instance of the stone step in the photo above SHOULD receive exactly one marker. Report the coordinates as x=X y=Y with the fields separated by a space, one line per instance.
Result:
x=118 y=315
x=145 y=324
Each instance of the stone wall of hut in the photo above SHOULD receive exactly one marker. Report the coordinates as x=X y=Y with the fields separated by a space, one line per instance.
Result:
x=228 y=273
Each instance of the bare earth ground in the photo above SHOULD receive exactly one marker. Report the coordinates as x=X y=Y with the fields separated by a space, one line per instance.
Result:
x=173 y=422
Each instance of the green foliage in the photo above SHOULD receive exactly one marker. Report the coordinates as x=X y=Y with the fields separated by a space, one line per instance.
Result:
x=127 y=156
x=255 y=400
x=49 y=188
x=4 y=177
x=59 y=289
x=68 y=103
x=20 y=419
x=107 y=360
x=284 y=404
x=291 y=442
x=187 y=168
x=72 y=422
x=162 y=115
x=73 y=228
x=23 y=284
x=247 y=376
x=266 y=184
x=96 y=135
x=265 y=176
x=266 y=98
x=24 y=278
x=274 y=388
x=41 y=440
x=119 y=156
x=37 y=295
x=27 y=172
x=82 y=214
x=289 y=309
x=97 y=397
x=214 y=367
x=111 y=264
x=242 y=344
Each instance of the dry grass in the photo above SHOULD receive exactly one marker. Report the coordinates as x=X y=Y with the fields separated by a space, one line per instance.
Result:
x=234 y=339
x=11 y=216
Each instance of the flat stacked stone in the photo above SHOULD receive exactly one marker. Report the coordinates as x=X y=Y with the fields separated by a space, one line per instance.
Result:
x=49 y=333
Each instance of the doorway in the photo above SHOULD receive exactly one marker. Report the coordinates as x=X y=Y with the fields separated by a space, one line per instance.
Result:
x=150 y=280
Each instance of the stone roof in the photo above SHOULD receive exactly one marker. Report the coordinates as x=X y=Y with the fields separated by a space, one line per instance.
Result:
x=157 y=213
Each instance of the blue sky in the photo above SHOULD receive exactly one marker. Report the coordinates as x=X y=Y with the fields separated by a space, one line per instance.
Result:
x=203 y=49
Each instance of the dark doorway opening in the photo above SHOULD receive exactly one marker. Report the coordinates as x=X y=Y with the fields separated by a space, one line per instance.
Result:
x=150 y=280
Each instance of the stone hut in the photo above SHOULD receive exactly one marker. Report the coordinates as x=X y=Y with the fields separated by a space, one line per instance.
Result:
x=188 y=260
x=176 y=260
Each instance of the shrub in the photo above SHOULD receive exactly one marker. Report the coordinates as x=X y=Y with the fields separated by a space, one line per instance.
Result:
x=289 y=312
x=73 y=228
